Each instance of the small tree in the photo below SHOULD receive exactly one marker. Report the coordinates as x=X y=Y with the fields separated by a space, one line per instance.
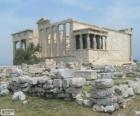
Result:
x=28 y=55
x=19 y=56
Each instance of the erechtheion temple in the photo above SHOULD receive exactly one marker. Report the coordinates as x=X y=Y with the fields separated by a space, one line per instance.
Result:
x=73 y=41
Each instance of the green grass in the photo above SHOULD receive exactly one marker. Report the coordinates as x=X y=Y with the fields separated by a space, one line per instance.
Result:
x=45 y=107
x=52 y=107
x=88 y=88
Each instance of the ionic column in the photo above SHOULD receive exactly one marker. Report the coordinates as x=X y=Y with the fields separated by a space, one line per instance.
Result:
x=21 y=44
x=24 y=44
x=14 y=48
x=71 y=48
x=46 y=43
x=100 y=41
x=88 y=41
x=27 y=43
x=105 y=40
x=64 y=39
x=58 y=40
x=41 y=42
x=95 y=44
x=43 y=32
x=51 y=39
x=55 y=41
x=131 y=50
x=91 y=41
x=81 y=42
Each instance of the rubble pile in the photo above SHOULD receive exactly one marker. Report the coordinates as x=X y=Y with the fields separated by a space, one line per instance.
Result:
x=115 y=72
x=103 y=97
x=128 y=89
x=89 y=86
x=50 y=87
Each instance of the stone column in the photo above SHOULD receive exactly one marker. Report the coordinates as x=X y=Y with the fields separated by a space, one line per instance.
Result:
x=41 y=42
x=21 y=44
x=14 y=48
x=43 y=32
x=51 y=39
x=100 y=41
x=25 y=44
x=95 y=44
x=105 y=43
x=64 y=39
x=46 y=42
x=55 y=40
x=91 y=41
x=88 y=41
x=72 y=41
x=81 y=42
x=58 y=41
x=131 y=49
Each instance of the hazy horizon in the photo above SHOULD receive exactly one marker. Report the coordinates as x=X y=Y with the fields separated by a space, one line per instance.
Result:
x=17 y=15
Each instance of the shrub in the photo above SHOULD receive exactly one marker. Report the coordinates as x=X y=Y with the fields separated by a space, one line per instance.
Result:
x=28 y=55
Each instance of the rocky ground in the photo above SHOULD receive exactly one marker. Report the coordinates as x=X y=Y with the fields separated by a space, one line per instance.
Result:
x=111 y=89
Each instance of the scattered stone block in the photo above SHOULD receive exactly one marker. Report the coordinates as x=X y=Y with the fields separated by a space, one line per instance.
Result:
x=63 y=73
x=66 y=83
x=19 y=96
x=87 y=103
x=109 y=109
x=137 y=113
x=105 y=76
x=25 y=102
x=57 y=83
x=98 y=108
x=103 y=83
x=103 y=93
x=77 y=82
x=4 y=92
x=79 y=101
x=87 y=74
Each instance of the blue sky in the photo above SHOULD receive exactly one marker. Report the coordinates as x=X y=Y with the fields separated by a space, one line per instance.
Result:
x=17 y=15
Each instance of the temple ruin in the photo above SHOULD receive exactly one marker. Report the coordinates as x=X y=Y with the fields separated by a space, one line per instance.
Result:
x=73 y=41
x=23 y=38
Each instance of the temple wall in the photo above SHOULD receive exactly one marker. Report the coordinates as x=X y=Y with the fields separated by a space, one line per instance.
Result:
x=118 y=50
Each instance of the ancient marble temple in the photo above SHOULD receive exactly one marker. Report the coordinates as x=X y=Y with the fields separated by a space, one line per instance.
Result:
x=73 y=41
